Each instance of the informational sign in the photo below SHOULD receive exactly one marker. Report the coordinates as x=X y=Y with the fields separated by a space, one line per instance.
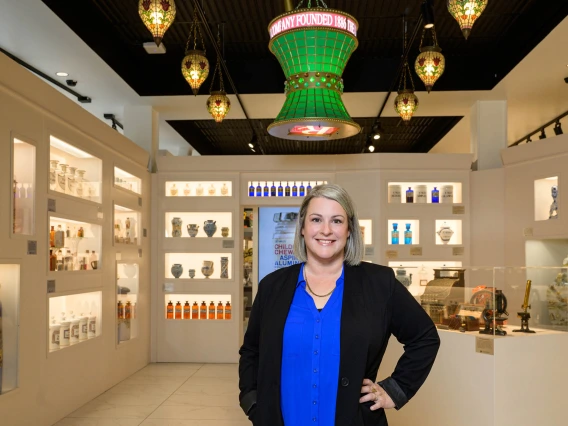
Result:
x=313 y=19
x=313 y=131
x=277 y=228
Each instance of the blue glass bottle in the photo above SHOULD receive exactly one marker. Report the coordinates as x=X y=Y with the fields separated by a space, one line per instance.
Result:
x=251 y=190
x=273 y=190
x=302 y=189
x=265 y=189
x=409 y=195
x=394 y=233
x=294 y=190
x=280 y=190
x=309 y=188
x=259 y=190
x=287 y=189
x=408 y=235
x=435 y=195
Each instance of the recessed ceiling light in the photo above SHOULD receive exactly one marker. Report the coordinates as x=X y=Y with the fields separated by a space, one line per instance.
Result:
x=61 y=74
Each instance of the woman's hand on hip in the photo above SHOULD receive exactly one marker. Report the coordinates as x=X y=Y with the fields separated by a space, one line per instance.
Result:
x=374 y=393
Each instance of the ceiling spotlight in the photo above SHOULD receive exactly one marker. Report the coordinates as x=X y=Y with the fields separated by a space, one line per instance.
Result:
x=61 y=74
x=253 y=143
x=377 y=131
x=542 y=134
x=427 y=14
x=369 y=146
x=558 y=129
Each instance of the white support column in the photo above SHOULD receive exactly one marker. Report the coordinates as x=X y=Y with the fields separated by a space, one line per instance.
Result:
x=141 y=125
x=488 y=133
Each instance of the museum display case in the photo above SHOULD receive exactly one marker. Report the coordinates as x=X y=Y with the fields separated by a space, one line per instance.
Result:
x=199 y=225
x=197 y=307
x=403 y=231
x=282 y=188
x=9 y=325
x=73 y=245
x=214 y=266
x=23 y=187
x=127 y=181
x=126 y=226
x=127 y=290
x=74 y=172
x=199 y=189
x=546 y=194
x=74 y=319
x=425 y=192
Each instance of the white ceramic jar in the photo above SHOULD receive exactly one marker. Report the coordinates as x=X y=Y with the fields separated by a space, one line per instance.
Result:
x=447 y=194
x=64 y=333
x=395 y=194
x=421 y=194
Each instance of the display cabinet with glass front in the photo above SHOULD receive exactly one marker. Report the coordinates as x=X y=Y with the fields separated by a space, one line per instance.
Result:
x=546 y=198
x=73 y=245
x=403 y=231
x=74 y=319
x=415 y=275
x=126 y=226
x=199 y=266
x=199 y=189
x=74 y=172
x=199 y=225
x=248 y=261
x=425 y=192
x=9 y=326
x=281 y=188
x=127 y=285
x=23 y=187
x=125 y=180
x=184 y=307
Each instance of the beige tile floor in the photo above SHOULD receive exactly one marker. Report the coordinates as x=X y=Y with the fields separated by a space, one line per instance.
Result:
x=167 y=395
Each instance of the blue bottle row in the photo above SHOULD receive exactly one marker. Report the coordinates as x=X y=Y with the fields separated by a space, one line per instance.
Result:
x=270 y=189
x=395 y=234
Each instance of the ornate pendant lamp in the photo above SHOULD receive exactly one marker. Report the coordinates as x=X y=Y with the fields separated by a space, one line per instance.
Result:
x=430 y=63
x=313 y=46
x=157 y=16
x=218 y=103
x=466 y=12
x=195 y=66
x=406 y=103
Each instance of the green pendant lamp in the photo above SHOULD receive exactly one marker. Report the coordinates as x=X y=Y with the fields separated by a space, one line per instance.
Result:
x=313 y=46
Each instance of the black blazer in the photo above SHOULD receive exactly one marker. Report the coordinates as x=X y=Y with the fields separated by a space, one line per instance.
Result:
x=375 y=305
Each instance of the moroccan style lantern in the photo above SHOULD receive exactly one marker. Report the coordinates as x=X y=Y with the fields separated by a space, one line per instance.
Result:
x=157 y=16
x=218 y=103
x=466 y=12
x=430 y=63
x=195 y=66
x=406 y=103
x=313 y=47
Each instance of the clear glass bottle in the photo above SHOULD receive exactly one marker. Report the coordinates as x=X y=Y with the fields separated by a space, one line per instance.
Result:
x=71 y=182
x=53 y=174
x=408 y=235
x=409 y=195
x=394 y=234
x=80 y=183
x=62 y=178
x=186 y=190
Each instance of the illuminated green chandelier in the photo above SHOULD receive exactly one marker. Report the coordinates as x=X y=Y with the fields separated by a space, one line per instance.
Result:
x=313 y=46
x=466 y=12
x=158 y=16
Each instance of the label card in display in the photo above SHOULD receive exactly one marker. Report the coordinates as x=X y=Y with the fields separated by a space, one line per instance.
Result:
x=458 y=209
x=392 y=254
x=32 y=247
x=458 y=251
x=51 y=205
x=416 y=251
x=484 y=346
x=227 y=244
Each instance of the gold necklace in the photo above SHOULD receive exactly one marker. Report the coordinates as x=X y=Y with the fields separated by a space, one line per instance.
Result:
x=310 y=289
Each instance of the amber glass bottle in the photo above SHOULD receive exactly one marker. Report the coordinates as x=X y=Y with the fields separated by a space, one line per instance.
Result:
x=128 y=310
x=52 y=237
x=228 y=311
x=52 y=261
x=203 y=311
x=170 y=310
x=220 y=310
x=178 y=310
x=120 y=310
x=186 y=311
x=194 y=311
x=212 y=310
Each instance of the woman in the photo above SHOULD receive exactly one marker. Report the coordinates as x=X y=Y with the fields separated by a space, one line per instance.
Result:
x=318 y=330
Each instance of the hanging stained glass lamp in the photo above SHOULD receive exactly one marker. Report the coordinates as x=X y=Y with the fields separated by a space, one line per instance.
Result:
x=195 y=66
x=466 y=12
x=313 y=46
x=430 y=63
x=218 y=103
x=406 y=104
x=157 y=16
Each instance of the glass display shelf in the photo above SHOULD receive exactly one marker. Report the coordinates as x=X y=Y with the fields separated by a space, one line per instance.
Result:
x=199 y=189
x=403 y=232
x=448 y=232
x=9 y=326
x=425 y=192
x=74 y=319
x=199 y=225
x=24 y=186
x=281 y=188
x=197 y=307
x=546 y=198
x=126 y=226
x=198 y=265
x=366 y=226
x=74 y=172
x=74 y=245
x=125 y=180
x=127 y=285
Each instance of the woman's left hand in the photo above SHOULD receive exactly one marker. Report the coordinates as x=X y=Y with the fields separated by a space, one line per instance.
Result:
x=376 y=394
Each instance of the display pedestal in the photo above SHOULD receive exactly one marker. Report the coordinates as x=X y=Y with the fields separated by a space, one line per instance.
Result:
x=523 y=383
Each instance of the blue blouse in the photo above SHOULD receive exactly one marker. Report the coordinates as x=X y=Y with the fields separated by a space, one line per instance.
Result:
x=310 y=358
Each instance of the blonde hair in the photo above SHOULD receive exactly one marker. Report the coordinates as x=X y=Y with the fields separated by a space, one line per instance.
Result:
x=354 y=248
